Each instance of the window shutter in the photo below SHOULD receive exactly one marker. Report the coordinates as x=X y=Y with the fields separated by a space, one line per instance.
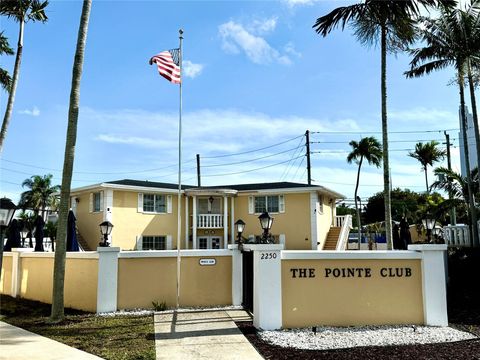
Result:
x=139 y=242
x=140 y=202
x=90 y=204
x=169 y=204
x=281 y=203
x=102 y=205
x=251 y=205
x=169 y=241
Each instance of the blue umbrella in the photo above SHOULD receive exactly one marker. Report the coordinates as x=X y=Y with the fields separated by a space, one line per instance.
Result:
x=72 y=243
x=14 y=239
x=39 y=224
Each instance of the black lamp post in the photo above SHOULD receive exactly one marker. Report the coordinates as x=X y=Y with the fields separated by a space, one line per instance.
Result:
x=429 y=223
x=240 y=226
x=106 y=229
x=266 y=222
x=7 y=209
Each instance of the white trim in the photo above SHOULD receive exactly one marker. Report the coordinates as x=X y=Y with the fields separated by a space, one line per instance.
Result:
x=140 y=203
x=313 y=219
x=225 y=222
x=281 y=203
x=194 y=222
x=232 y=220
x=320 y=189
x=251 y=205
x=90 y=203
x=359 y=254
x=169 y=242
x=281 y=240
x=173 y=253
x=210 y=192
x=187 y=218
x=169 y=201
x=139 y=242
x=108 y=206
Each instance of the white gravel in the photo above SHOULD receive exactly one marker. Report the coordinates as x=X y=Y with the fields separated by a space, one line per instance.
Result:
x=347 y=337
x=143 y=312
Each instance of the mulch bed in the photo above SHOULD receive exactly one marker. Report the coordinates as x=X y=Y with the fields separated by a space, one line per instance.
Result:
x=463 y=313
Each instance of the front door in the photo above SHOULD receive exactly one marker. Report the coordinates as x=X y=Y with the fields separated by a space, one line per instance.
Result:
x=209 y=242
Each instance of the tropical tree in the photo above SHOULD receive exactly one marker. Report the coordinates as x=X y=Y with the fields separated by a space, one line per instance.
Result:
x=22 y=11
x=427 y=154
x=455 y=184
x=57 y=314
x=390 y=23
x=451 y=41
x=367 y=148
x=28 y=222
x=41 y=194
x=5 y=49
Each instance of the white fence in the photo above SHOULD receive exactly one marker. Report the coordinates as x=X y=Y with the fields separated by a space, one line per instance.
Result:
x=345 y=223
x=458 y=235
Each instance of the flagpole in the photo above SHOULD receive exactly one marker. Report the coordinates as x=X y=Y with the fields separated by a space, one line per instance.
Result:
x=179 y=171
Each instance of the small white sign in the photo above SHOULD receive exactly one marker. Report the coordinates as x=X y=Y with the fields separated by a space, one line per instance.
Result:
x=208 y=262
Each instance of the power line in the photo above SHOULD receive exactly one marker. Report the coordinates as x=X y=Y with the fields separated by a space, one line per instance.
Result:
x=250 y=151
x=250 y=170
x=380 y=132
x=245 y=161
x=294 y=155
x=389 y=141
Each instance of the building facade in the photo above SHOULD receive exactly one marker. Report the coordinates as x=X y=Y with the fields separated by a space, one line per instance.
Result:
x=145 y=214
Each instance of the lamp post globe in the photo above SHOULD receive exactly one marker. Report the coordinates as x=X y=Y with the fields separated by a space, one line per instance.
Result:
x=266 y=222
x=429 y=223
x=240 y=226
x=105 y=229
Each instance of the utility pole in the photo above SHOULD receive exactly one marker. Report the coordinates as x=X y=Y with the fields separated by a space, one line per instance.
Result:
x=453 y=212
x=309 y=170
x=198 y=171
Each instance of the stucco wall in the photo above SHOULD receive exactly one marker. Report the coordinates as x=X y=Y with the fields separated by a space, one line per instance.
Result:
x=351 y=300
x=324 y=219
x=128 y=223
x=87 y=222
x=294 y=223
x=6 y=277
x=143 y=280
x=81 y=276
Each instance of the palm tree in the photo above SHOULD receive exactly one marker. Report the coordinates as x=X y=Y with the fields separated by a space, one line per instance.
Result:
x=28 y=222
x=367 y=148
x=427 y=154
x=5 y=49
x=41 y=193
x=57 y=314
x=449 y=44
x=21 y=11
x=388 y=22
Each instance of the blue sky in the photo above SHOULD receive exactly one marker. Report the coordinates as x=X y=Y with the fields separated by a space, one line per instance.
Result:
x=256 y=74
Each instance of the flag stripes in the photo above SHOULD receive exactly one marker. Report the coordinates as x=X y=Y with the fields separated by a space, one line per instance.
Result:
x=168 y=65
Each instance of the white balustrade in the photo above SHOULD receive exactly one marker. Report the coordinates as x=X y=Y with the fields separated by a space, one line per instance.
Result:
x=345 y=222
x=457 y=235
x=209 y=221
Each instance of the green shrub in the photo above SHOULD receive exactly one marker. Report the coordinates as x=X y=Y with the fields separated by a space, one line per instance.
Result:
x=159 y=306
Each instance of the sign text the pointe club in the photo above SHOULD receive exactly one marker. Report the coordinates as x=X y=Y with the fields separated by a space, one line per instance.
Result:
x=352 y=272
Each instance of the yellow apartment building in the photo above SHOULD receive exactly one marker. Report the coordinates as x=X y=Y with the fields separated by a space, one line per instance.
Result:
x=145 y=214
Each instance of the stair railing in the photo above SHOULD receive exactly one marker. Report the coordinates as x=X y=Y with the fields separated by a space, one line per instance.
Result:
x=345 y=223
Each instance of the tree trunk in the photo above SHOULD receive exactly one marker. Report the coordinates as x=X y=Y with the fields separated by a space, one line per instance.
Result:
x=474 y=111
x=359 y=223
x=471 y=202
x=57 y=314
x=426 y=178
x=386 y=170
x=13 y=90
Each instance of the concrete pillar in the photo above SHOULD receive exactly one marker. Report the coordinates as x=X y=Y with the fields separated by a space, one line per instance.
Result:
x=107 y=279
x=267 y=285
x=433 y=283
x=237 y=275
x=225 y=222
x=194 y=222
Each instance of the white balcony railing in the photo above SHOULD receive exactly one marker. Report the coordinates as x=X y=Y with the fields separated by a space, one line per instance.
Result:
x=345 y=224
x=209 y=221
x=457 y=235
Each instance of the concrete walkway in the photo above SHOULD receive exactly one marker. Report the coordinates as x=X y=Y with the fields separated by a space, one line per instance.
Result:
x=19 y=344
x=202 y=334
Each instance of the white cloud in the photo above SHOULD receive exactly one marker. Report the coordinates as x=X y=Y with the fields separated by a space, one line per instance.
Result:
x=293 y=3
x=237 y=38
x=33 y=112
x=422 y=114
x=192 y=70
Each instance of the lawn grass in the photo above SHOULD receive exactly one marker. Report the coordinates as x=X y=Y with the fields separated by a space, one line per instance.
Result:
x=120 y=337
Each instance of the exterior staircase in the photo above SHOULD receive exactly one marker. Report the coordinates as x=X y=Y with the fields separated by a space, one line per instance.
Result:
x=332 y=238
x=81 y=241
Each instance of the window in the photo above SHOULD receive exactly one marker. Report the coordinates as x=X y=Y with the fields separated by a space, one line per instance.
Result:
x=97 y=199
x=210 y=205
x=154 y=243
x=267 y=204
x=154 y=203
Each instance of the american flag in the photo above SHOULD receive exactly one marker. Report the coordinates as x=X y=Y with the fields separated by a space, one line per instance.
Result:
x=168 y=64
